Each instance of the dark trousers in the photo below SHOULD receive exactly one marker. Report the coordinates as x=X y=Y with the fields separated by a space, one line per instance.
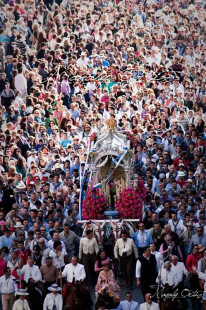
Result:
x=66 y=101
x=48 y=284
x=88 y=262
x=145 y=287
x=194 y=282
x=126 y=269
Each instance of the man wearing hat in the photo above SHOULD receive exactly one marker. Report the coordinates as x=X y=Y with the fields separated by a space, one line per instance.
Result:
x=82 y=61
x=53 y=300
x=21 y=303
x=18 y=229
x=21 y=186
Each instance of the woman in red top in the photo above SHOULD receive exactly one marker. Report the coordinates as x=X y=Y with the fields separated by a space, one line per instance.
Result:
x=3 y=263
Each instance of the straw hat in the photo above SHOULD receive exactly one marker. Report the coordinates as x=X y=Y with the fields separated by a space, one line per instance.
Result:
x=181 y=174
x=18 y=225
x=54 y=288
x=22 y=292
x=21 y=185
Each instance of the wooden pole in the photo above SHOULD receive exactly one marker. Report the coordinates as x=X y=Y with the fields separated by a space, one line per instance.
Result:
x=59 y=255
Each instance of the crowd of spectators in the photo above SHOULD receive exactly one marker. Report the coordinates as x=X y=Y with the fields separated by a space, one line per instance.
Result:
x=66 y=68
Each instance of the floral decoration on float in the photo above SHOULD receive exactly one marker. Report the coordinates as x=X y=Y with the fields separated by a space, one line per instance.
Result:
x=130 y=201
x=94 y=205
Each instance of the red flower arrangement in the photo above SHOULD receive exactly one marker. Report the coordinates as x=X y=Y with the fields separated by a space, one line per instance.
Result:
x=94 y=205
x=131 y=137
x=129 y=204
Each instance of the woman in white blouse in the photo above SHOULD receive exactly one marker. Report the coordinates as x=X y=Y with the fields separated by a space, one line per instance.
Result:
x=53 y=301
x=21 y=303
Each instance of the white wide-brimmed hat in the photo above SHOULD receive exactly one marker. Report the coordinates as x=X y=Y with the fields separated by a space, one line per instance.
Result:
x=181 y=174
x=21 y=185
x=22 y=292
x=18 y=225
x=54 y=288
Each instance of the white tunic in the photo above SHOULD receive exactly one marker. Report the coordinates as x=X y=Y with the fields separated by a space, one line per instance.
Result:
x=180 y=270
x=77 y=272
x=169 y=277
x=52 y=300
x=152 y=306
x=31 y=272
x=21 y=305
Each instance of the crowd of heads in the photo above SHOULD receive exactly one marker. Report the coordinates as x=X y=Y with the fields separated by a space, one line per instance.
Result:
x=69 y=66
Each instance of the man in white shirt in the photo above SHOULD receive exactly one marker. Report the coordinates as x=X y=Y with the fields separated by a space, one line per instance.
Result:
x=20 y=83
x=31 y=271
x=58 y=254
x=74 y=271
x=149 y=304
x=167 y=276
x=82 y=61
x=55 y=238
x=146 y=271
x=123 y=251
x=158 y=256
x=176 y=224
x=7 y=288
x=178 y=268
x=154 y=57
x=88 y=250
x=128 y=303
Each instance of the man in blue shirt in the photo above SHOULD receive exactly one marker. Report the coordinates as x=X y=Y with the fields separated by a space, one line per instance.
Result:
x=128 y=303
x=142 y=239
x=7 y=239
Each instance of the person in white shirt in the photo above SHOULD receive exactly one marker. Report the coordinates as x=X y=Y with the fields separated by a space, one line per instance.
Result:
x=53 y=42
x=158 y=256
x=149 y=304
x=82 y=61
x=20 y=83
x=178 y=268
x=88 y=250
x=176 y=224
x=154 y=58
x=13 y=261
x=128 y=303
x=58 y=254
x=167 y=276
x=55 y=238
x=74 y=271
x=53 y=300
x=7 y=289
x=91 y=86
x=31 y=271
x=21 y=303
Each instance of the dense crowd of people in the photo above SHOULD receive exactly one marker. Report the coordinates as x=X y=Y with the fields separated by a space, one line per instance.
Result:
x=66 y=68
